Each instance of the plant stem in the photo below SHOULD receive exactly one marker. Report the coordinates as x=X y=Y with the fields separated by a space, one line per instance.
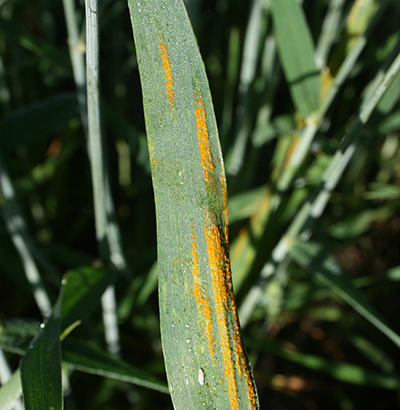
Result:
x=77 y=53
x=18 y=232
x=100 y=185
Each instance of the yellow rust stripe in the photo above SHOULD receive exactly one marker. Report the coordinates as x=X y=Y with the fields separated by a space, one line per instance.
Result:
x=201 y=300
x=204 y=143
x=241 y=363
x=218 y=257
x=167 y=73
x=216 y=253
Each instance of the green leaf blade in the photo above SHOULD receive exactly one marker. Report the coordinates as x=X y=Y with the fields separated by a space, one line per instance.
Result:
x=10 y=391
x=296 y=51
x=88 y=358
x=41 y=367
x=83 y=290
x=204 y=354
x=313 y=257
x=345 y=372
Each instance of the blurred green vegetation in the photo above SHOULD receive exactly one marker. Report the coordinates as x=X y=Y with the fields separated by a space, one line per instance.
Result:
x=324 y=331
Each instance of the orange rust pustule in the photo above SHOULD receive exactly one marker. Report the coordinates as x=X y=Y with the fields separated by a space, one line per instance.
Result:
x=216 y=234
x=167 y=73
x=204 y=143
x=241 y=363
x=216 y=258
x=202 y=301
x=233 y=353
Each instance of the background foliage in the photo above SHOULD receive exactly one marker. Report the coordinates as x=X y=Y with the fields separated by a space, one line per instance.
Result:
x=318 y=338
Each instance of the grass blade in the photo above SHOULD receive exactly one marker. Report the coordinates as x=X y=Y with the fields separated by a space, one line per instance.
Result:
x=10 y=391
x=313 y=257
x=345 y=372
x=247 y=73
x=41 y=364
x=88 y=358
x=312 y=126
x=41 y=367
x=12 y=394
x=312 y=209
x=296 y=50
x=103 y=205
x=329 y=31
x=76 y=52
x=204 y=354
x=18 y=231
x=82 y=293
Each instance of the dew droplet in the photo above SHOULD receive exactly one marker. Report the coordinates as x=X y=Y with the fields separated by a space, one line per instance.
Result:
x=188 y=341
x=42 y=325
x=201 y=376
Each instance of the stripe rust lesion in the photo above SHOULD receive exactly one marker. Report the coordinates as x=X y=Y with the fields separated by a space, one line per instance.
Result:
x=217 y=262
x=201 y=300
x=214 y=184
x=167 y=73
x=203 y=138
x=228 y=341
x=231 y=344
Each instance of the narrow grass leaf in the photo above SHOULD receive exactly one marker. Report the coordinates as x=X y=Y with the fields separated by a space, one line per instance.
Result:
x=296 y=51
x=357 y=21
x=245 y=204
x=231 y=81
x=82 y=293
x=107 y=231
x=314 y=258
x=21 y=238
x=88 y=358
x=41 y=366
x=329 y=31
x=312 y=209
x=383 y=192
x=391 y=96
x=355 y=225
x=16 y=335
x=10 y=392
x=204 y=354
x=244 y=113
x=376 y=354
x=345 y=372
x=149 y=285
x=83 y=288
